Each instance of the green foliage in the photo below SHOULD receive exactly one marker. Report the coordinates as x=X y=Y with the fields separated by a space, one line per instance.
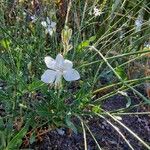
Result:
x=24 y=44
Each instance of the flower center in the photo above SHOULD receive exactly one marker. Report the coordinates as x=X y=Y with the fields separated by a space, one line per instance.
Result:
x=59 y=68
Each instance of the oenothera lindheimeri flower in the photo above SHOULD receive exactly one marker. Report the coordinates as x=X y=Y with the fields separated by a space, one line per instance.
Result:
x=49 y=26
x=58 y=68
x=138 y=24
x=96 y=12
x=33 y=18
x=147 y=45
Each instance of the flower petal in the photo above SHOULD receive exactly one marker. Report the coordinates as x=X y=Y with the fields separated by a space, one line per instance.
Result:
x=50 y=62
x=67 y=64
x=71 y=75
x=44 y=24
x=58 y=78
x=59 y=61
x=50 y=30
x=46 y=31
x=53 y=24
x=48 y=20
x=48 y=76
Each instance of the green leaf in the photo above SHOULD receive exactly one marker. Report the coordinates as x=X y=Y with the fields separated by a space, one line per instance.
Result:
x=5 y=43
x=92 y=38
x=85 y=43
x=32 y=138
x=70 y=124
x=121 y=72
x=96 y=109
x=1 y=124
x=35 y=85
x=44 y=110
x=3 y=69
x=17 y=139
x=2 y=140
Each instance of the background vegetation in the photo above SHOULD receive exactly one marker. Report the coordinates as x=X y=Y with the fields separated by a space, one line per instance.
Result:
x=110 y=50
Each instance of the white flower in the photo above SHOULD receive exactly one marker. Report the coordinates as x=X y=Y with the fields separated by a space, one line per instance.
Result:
x=58 y=68
x=33 y=18
x=96 y=12
x=49 y=26
x=147 y=45
x=121 y=35
x=138 y=24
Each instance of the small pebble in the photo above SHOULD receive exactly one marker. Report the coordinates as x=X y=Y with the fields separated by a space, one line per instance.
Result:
x=60 y=131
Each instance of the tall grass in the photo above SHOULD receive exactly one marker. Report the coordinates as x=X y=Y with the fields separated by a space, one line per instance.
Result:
x=106 y=47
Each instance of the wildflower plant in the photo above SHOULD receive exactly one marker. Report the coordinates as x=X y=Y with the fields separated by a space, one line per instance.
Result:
x=103 y=68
